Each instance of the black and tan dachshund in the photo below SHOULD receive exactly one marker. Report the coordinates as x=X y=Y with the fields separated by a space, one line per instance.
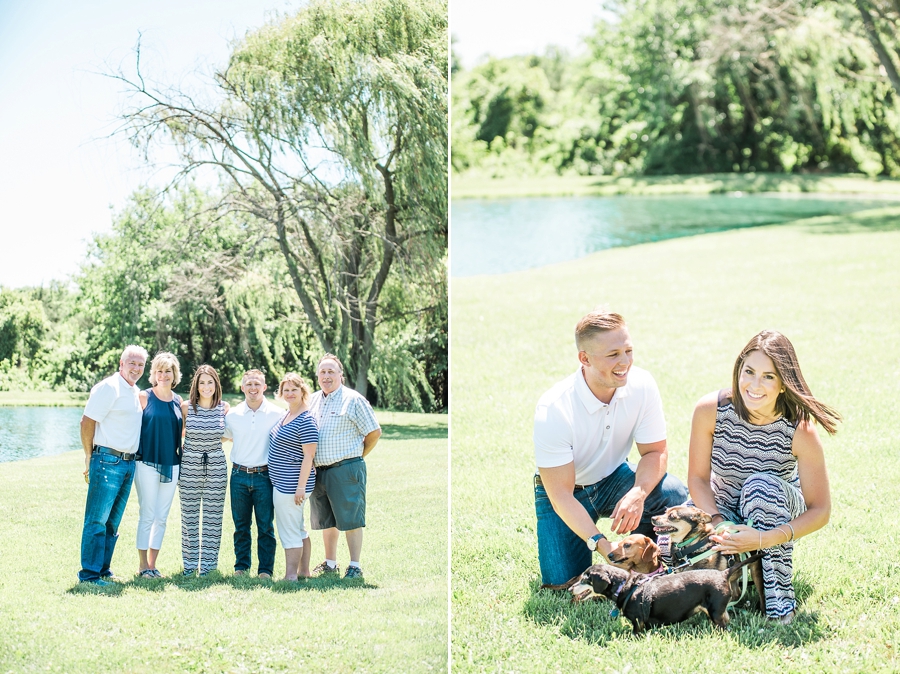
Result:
x=649 y=601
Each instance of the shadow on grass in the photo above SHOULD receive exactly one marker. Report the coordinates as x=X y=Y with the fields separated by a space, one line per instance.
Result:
x=407 y=432
x=215 y=579
x=591 y=621
x=880 y=220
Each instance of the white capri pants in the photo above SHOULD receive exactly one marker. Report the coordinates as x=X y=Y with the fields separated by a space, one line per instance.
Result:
x=154 y=500
x=289 y=520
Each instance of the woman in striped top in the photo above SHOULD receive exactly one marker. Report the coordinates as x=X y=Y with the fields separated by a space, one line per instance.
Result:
x=292 y=446
x=755 y=455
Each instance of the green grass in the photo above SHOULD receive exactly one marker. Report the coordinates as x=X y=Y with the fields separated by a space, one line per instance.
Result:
x=42 y=399
x=394 y=620
x=833 y=286
x=475 y=186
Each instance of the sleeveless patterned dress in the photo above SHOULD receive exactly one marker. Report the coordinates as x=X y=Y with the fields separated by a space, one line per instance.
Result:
x=754 y=476
x=203 y=479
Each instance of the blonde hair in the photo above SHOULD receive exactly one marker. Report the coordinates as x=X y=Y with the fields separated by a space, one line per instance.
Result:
x=299 y=382
x=595 y=323
x=160 y=360
x=254 y=373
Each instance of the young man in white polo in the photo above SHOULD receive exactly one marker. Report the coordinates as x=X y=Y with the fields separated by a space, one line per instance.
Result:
x=584 y=428
x=348 y=431
x=248 y=425
x=110 y=435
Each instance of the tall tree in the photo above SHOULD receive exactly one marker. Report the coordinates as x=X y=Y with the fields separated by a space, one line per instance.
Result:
x=331 y=132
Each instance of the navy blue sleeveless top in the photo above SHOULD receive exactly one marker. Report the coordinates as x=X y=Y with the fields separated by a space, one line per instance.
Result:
x=161 y=435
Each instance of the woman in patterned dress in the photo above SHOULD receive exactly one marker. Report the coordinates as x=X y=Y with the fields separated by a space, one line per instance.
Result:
x=755 y=454
x=204 y=472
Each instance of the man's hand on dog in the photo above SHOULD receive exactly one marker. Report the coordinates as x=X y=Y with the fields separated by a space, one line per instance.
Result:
x=627 y=514
x=738 y=538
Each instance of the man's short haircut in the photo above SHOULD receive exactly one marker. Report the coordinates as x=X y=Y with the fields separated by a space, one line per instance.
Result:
x=331 y=356
x=134 y=349
x=596 y=323
x=254 y=373
x=160 y=361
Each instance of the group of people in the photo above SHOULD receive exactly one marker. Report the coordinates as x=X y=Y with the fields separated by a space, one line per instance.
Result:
x=754 y=456
x=313 y=451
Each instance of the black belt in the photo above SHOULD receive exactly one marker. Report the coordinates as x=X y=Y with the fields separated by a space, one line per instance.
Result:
x=114 y=452
x=339 y=463
x=539 y=483
x=250 y=469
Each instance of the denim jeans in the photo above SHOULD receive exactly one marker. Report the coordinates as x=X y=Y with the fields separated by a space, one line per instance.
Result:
x=561 y=552
x=108 y=491
x=249 y=492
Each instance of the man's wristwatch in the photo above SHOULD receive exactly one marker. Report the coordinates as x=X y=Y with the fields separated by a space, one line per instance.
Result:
x=593 y=540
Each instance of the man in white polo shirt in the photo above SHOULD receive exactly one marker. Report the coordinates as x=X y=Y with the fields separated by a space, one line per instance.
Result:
x=584 y=428
x=110 y=435
x=248 y=425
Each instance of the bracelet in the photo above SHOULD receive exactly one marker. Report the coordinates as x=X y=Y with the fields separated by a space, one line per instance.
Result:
x=793 y=536
x=718 y=515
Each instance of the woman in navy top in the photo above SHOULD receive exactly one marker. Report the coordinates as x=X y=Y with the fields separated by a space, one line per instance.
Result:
x=156 y=472
x=292 y=446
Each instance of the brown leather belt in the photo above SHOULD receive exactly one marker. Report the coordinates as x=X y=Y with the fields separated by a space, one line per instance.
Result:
x=98 y=449
x=539 y=483
x=250 y=469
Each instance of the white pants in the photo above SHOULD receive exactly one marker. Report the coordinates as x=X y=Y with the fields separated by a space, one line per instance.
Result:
x=154 y=499
x=289 y=520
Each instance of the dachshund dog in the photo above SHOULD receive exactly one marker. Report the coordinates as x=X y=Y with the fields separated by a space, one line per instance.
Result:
x=637 y=553
x=649 y=601
x=689 y=529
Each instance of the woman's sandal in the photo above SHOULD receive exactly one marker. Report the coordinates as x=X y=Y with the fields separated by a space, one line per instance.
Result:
x=147 y=573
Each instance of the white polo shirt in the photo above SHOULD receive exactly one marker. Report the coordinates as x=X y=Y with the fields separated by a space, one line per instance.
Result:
x=572 y=425
x=249 y=430
x=116 y=407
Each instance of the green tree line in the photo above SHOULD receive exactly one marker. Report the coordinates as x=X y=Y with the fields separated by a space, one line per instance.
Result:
x=326 y=229
x=693 y=86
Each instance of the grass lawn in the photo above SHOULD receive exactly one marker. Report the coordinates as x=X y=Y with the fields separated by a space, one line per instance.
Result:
x=475 y=186
x=832 y=285
x=394 y=620
x=42 y=399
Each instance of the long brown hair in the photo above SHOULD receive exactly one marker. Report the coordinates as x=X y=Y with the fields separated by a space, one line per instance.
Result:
x=797 y=403
x=195 y=386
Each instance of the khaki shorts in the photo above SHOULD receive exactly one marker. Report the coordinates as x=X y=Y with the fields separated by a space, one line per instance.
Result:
x=339 y=499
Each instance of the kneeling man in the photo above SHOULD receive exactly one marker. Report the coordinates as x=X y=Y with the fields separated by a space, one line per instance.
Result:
x=583 y=431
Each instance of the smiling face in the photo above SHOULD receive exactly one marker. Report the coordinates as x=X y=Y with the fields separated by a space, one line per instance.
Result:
x=206 y=387
x=291 y=393
x=606 y=359
x=253 y=386
x=131 y=367
x=759 y=385
x=330 y=376
x=164 y=376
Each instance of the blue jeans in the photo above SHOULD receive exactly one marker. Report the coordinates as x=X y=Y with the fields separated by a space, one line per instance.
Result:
x=561 y=552
x=108 y=491
x=249 y=492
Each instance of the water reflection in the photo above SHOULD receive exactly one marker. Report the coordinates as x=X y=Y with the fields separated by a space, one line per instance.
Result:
x=495 y=236
x=27 y=432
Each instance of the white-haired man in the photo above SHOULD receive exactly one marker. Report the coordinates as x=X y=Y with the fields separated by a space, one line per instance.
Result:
x=110 y=435
x=348 y=431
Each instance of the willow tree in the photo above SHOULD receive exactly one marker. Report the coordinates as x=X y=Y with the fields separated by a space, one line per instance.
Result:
x=330 y=129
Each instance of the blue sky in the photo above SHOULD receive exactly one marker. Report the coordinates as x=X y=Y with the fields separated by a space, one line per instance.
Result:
x=59 y=174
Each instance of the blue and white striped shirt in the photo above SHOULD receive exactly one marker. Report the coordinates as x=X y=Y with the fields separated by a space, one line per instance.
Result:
x=286 y=452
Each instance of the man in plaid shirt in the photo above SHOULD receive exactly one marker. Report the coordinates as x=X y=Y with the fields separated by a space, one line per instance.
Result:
x=348 y=431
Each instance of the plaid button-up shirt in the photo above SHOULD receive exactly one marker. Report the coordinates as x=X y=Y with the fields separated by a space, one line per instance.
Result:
x=344 y=419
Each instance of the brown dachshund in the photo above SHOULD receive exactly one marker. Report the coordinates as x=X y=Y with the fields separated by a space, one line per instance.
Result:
x=637 y=553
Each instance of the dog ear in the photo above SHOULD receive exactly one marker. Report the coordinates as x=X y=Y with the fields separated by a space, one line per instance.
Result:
x=651 y=550
x=599 y=581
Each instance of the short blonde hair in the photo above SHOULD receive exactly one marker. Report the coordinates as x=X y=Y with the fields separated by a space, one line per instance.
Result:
x=259 y=374
x=160 y=361
x=299 y=382
x=596 y=323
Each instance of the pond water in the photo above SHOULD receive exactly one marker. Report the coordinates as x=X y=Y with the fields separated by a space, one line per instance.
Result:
x=495 y=236
x=27 y=432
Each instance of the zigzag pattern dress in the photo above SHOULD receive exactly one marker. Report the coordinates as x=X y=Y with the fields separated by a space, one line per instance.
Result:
x=754 y=476
x=204 y=476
